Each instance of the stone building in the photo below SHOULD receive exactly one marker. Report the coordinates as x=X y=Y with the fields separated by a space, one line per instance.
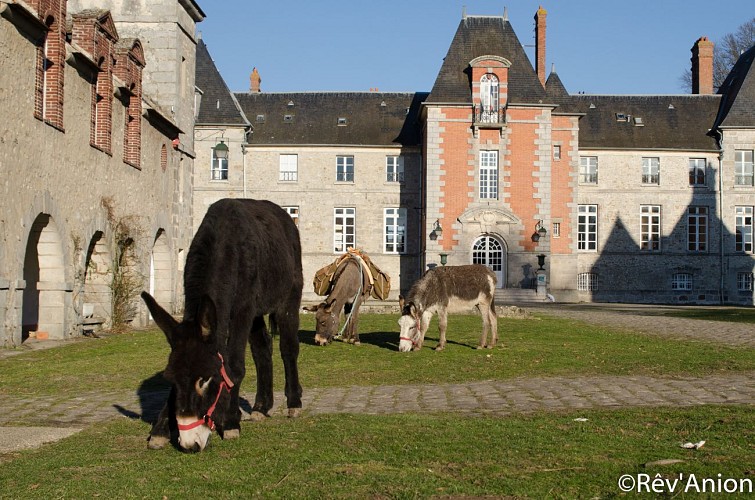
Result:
x=598 y=197
x=96 y=152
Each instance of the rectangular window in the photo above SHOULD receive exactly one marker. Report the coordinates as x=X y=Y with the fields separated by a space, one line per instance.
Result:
x=587 y=228
x=344 y=229
x=289 y=168
x=697 y=171
x=650 y=228
x=744 y=229
x=651 y=171
x=394 y=169
x=344 y=169
x=556 y=152
x=294 y=213
x=697 y=229
x=588 y=169
x=681 y=281
x=556 y=229
x=394 y=237
x=743 y=168
x=489 y=175
x=744 y=282
x=219 y=169
x=587 y=282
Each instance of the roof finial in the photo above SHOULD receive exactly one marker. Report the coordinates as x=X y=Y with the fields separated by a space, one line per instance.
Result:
x=553 y=67
x=505 y=13
x=463 y=11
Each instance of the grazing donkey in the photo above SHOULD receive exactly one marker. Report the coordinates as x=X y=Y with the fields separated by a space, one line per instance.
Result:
x=351 y=287
x=448 y=289
x=243 y=263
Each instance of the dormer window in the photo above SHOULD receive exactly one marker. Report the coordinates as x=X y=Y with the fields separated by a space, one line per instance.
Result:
x=489 y=100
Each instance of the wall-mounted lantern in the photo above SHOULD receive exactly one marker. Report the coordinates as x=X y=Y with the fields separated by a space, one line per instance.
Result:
x=541 y=261
x=437 y=231
x=221 y=150
x=540 y=231
x=443 y=259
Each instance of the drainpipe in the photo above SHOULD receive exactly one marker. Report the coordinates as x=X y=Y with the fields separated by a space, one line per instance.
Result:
x=243 y=166
x=720 y=140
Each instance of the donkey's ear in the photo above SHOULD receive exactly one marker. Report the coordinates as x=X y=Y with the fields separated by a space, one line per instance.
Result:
x=311 y=309
x=329 y=305
x=414 y=310
x=207 y=316
x=164 y=320
x=401 y=302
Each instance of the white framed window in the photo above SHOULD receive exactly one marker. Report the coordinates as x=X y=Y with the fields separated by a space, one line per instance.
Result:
x=651 y=171
x=394 y=169
x=293 y=211
x=344 y=169
x=744 y=282
x=344 y=229
x=697 y=171
x=557 y=152
x=489 y=98
x=588 y=169
x=743 y=229
x=650 y=228
x=394 y=234
x=697 y=229
x=587 y=282
x=219 y=168
x=681 y=281
x=743 y=167
x=488 y=175
x=587 y=228
x=289 y=168
x=556 y=230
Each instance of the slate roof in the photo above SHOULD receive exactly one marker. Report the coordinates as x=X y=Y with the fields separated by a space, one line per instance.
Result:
x=555 y=90
x=478 y=36
x=218 y=105
x=371 y=118
x=738 y=94
x=668 y=121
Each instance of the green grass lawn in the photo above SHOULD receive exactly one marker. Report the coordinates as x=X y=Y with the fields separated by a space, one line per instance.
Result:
x=393 y=456
x=396 y=456
x=527 y=347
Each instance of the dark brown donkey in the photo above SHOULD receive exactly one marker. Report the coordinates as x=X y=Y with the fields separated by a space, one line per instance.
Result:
x=351 y=287
x=443 y=290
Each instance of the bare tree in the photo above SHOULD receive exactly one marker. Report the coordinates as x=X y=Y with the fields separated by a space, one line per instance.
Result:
x=725 y=54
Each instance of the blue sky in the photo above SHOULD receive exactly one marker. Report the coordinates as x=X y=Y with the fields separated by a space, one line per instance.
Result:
x=598 y=47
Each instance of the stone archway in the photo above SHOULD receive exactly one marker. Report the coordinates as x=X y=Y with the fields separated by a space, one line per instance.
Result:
x=44 y=296
x=160 y=275
x=98 y=280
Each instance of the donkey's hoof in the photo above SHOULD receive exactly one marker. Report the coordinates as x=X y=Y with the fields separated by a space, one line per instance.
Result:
x=157 y=442
x=294 y=412
x=356 y=342
x=231 y=434
x=257 y=416
x=440 y=348
x=480 y=347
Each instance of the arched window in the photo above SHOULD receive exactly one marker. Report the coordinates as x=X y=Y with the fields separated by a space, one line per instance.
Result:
x=489 y=101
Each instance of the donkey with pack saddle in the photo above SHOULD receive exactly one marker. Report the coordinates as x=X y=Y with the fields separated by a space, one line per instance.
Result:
x=448 y=289
x=243 y=263
x=347 y=282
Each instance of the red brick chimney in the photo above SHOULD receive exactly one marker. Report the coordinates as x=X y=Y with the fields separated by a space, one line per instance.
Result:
x=254 y=82
x=540 y=43
x=702 y=66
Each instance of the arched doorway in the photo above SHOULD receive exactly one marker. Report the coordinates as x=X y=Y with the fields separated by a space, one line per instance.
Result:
x=43 y=308
x=98 y=279
x=160 y=282
x=489 y=251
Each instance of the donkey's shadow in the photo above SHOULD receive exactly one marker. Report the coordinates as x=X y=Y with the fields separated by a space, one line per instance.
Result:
x=153 y=394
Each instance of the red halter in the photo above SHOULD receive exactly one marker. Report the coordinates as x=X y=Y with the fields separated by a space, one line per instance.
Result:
x=226 y=384
x=417 y=327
